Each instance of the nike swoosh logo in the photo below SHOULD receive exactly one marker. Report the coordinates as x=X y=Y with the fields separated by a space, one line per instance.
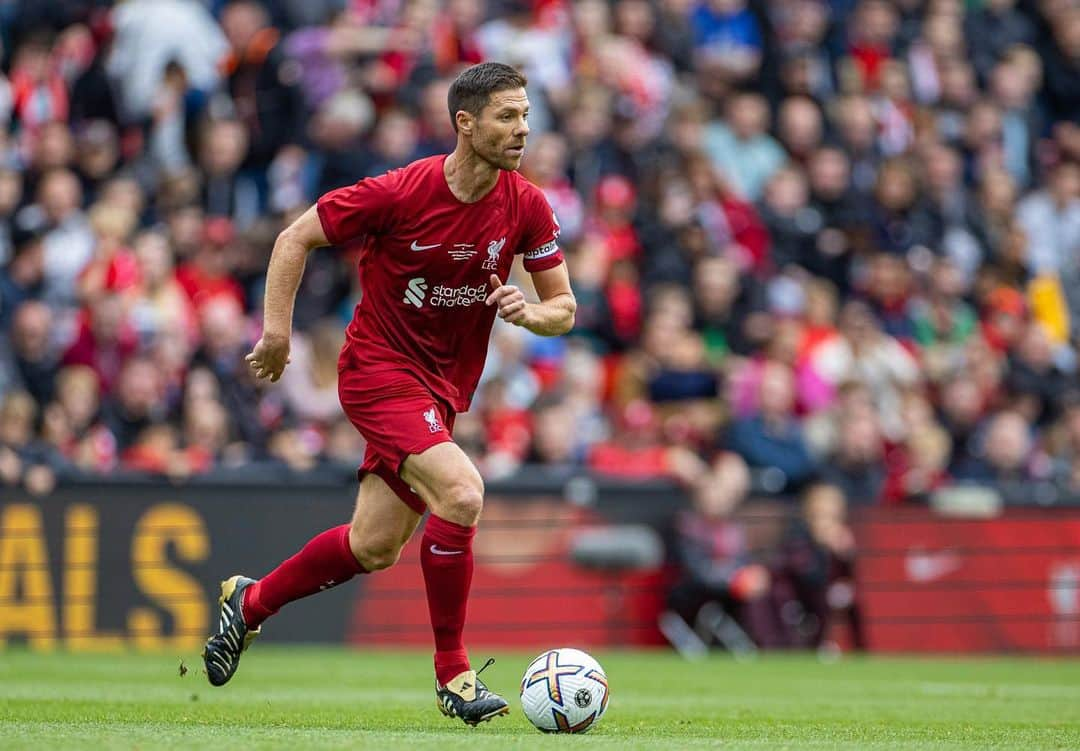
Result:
x=436 y=551
x=414 y=246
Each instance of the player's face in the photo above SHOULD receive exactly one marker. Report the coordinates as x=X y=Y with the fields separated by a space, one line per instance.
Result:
x=499 y=133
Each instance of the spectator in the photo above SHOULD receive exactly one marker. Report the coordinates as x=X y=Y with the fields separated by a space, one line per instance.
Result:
x=1014 y=89
x=69 y=241
x=136 y=404
x=942 y=323
x=857 y=130
x=206 y=435
x=773 y=437
x=310 y=385
x=206 y=277
x=1004 y=454
x=637 y=451
x=741 y=147
x=23 y=460
x=1065 y=445
x=996 y=207
x=546 y=166
x=714 y=554
x=1062 y=74
x=148 y=34
x=729 y=309
x=959 y=92
x=725 y=223
x=992 y=29
x=553 y=434
x=105 y=340
x=23 y=277
x=224 y=344
x=226 y=193
x=918 y=466
x=38 y=93
x=950 y=208
x=899 y=224
x=70 y=422
x=584 y=383
x=814 y=578
x=30 y=358
x=336 y=128
x=871 y=31
x=857 y=467
x=516 y=38
x=395 y=142
x=801 y=127
x=792 y=224
x=841 y=213
x=97 y=156
x=1034 y=380
x=1051 y=220
x=113 y=269
x=159 y=303
x=727 y=36
x=875 y=359
x=263 y=83
x=889 y=291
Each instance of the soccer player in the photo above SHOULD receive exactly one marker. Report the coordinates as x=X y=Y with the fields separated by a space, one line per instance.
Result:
x=439 y=238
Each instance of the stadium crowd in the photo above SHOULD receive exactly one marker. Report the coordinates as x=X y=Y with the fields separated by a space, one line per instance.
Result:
x=830 y=240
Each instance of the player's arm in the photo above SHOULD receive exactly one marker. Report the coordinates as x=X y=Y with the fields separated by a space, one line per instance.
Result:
x=271 y=352
x=552 y=316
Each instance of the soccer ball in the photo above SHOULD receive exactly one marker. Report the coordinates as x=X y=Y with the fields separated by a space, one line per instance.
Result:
x=564 y=691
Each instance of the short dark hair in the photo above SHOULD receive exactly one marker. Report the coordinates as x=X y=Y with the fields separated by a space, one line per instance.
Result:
x=471 y=90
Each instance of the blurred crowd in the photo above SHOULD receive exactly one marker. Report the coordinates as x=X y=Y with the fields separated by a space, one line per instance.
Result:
x=838 y=240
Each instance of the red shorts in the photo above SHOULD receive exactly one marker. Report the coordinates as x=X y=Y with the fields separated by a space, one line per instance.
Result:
x=398 y=416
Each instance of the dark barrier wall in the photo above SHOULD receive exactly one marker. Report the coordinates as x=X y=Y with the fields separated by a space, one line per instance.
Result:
x=103 y=565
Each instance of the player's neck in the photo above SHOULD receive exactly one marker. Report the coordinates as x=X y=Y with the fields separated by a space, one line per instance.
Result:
x=469 y=177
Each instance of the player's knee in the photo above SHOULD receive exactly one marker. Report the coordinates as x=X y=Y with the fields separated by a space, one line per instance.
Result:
x=374 y=555
x=377 y=558
x=463 y=500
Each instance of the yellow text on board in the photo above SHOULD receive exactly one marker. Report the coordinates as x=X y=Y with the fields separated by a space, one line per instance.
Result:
x=48 y=614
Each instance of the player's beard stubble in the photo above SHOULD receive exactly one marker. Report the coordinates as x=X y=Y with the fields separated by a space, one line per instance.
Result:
x=491 y=145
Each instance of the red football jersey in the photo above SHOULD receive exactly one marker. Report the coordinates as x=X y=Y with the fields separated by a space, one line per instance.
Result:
x=425 y=267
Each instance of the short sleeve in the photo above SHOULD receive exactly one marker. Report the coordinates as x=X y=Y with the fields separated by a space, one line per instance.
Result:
x=366 y=208
x=540 y=243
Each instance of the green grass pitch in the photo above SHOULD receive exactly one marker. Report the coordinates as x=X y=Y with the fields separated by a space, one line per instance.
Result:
x=314 y=698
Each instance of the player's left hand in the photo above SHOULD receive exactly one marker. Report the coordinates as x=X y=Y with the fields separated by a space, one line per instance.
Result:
x=510 y=299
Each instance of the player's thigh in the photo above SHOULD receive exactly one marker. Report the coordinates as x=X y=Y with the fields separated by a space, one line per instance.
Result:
x=448 y=482
x=381 y=524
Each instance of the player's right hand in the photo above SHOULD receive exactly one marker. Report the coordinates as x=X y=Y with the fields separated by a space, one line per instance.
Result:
x=269 y=357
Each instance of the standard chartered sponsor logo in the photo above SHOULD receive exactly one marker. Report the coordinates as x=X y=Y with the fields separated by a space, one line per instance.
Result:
x=416 y=292
x=457 y=297
x=442 y=296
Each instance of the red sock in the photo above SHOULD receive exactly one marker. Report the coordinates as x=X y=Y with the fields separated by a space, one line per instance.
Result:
x=447 y=561
x=326 y=561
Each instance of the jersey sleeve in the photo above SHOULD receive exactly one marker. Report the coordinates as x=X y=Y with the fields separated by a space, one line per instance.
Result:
x=366 y=208
x=540 y=242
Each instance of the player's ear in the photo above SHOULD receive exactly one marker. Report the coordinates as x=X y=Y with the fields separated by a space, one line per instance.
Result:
x=465 y=122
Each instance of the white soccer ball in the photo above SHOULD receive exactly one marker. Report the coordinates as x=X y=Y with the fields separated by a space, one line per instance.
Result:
x=564 y=691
